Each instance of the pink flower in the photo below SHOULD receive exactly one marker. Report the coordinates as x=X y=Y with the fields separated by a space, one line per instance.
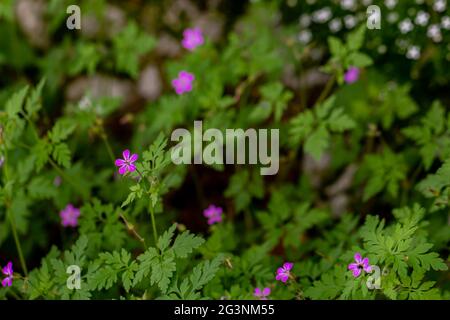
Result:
x=192 y=38
x=69 y=216
x=283 y=273
x=183 y=83
x=8 y=272
x=352 y=75
x=213 y=213
x=261 y=294
x=361 y=264
x=126 y=164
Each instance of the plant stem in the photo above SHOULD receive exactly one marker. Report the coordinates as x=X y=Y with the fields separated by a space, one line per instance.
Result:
x=108 y=146
x=152 y=214
x=67 y=178
x=13 y=224
x=326 y=90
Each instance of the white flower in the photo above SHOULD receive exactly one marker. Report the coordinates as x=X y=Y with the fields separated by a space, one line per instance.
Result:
x=305 y=36
x=390 y=3
x=422 y=18
x=335 y=25
x=382 y=49
x=445 y=23
x=392 y=17
x=305 y=20
x=434 y=32
x=348 y=4
x=406 y=26
x=322 y=15
x=413 y=53
x=85 y=103
x=349 y=21
x=440 y=5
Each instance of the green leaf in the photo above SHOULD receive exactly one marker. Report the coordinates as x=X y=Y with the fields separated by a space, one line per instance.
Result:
x=33 y=104
x=61 y=154
x=164 y=240
x=61 y=130
x=14 y=104
x=317 y=142
x=185 y=243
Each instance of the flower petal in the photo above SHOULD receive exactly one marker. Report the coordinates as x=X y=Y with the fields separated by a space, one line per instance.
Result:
x=357 y=257
x=133 y=157
x=119 y=162
x=352 y=266
x=126 y=154
x=266 y=291
x=356 y=272
x=365 y=262
x=123 y=169
x=257 y=292
x=288 y=266
x=131 y=167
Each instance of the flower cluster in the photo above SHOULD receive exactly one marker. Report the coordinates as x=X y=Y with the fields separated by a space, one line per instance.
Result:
x=192 y=38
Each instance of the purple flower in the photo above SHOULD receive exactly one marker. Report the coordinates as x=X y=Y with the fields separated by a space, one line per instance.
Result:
x=69 y=216
x=183 y=83
x=361 y=264
x=352 y=75
x=283 y=273
x=192 y=38
x=213 y=213
x=261 y=294
x=126 y=164
x=8 y=272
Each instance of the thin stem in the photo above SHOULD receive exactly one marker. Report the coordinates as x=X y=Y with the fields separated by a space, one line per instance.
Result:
x=326 y=90
x=131 y=227
x=152 y=214
x=67 y=178
x=13 y=224
x=108 y=146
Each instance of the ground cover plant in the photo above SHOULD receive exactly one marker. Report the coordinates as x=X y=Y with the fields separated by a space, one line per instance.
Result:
x=93 y=205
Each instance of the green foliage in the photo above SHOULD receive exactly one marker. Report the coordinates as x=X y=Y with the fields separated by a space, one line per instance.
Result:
x=363 y=167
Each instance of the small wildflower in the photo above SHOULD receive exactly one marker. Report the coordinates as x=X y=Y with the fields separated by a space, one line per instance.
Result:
x=183 y=83
x=213 y=213
x=361 y=264
x=413 y=53
x=352 y=75
x=348 y=4
x=440 y=5
x=322 y=15
x=445 y=22
x=434 y=32
x=8 y=272
x=305 y=36
x=262 y=294
x=422 y=18
x=390 y=4
x=192 y=38
x=283 y=273
x=126 y=164
x=305 y=20
x=406 y=25
x=69 y=216
x=335 y=25
x=350 y=21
